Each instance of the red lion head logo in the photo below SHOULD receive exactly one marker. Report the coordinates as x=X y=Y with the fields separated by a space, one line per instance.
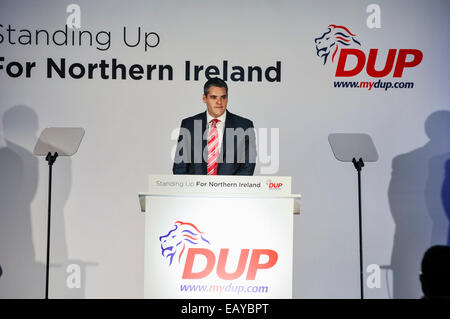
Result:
x=330 y=41
x=174 y=242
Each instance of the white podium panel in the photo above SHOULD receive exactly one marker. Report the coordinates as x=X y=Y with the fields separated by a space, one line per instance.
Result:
x=218 y=246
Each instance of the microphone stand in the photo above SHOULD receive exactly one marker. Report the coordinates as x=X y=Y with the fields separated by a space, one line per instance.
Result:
x=359 y=165
x=51 y=160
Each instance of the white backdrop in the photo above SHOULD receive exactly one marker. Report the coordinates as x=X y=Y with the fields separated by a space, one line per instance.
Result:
x=96 y=222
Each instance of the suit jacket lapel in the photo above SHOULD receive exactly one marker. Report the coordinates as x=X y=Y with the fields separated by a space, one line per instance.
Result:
x=223 y=149
x=204 y=142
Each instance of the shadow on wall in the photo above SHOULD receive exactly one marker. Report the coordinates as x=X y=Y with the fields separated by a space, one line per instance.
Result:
x=446 y=196
x=23 y=276
x=416 y=196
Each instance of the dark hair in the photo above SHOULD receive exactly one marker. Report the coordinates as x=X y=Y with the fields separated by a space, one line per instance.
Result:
x=214 y=82
x=435 y=277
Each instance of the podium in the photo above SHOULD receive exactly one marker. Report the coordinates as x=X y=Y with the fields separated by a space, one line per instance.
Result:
x=218 y=236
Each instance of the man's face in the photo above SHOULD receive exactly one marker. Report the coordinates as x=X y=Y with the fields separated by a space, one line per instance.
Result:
x=216 y=101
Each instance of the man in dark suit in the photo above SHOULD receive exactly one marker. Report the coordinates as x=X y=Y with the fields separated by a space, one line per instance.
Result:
x=215 y=142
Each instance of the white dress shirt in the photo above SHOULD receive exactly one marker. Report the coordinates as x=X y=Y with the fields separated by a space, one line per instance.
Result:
x=220 y=125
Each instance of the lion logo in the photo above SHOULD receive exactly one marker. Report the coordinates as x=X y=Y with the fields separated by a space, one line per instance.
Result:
x=174 y=243
x=331 y=39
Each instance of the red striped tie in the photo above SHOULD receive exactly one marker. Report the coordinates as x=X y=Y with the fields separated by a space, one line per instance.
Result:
x=213 y=148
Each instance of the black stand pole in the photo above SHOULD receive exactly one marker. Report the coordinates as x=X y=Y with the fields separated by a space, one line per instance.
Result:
x=50 y=159
x=359 y=165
